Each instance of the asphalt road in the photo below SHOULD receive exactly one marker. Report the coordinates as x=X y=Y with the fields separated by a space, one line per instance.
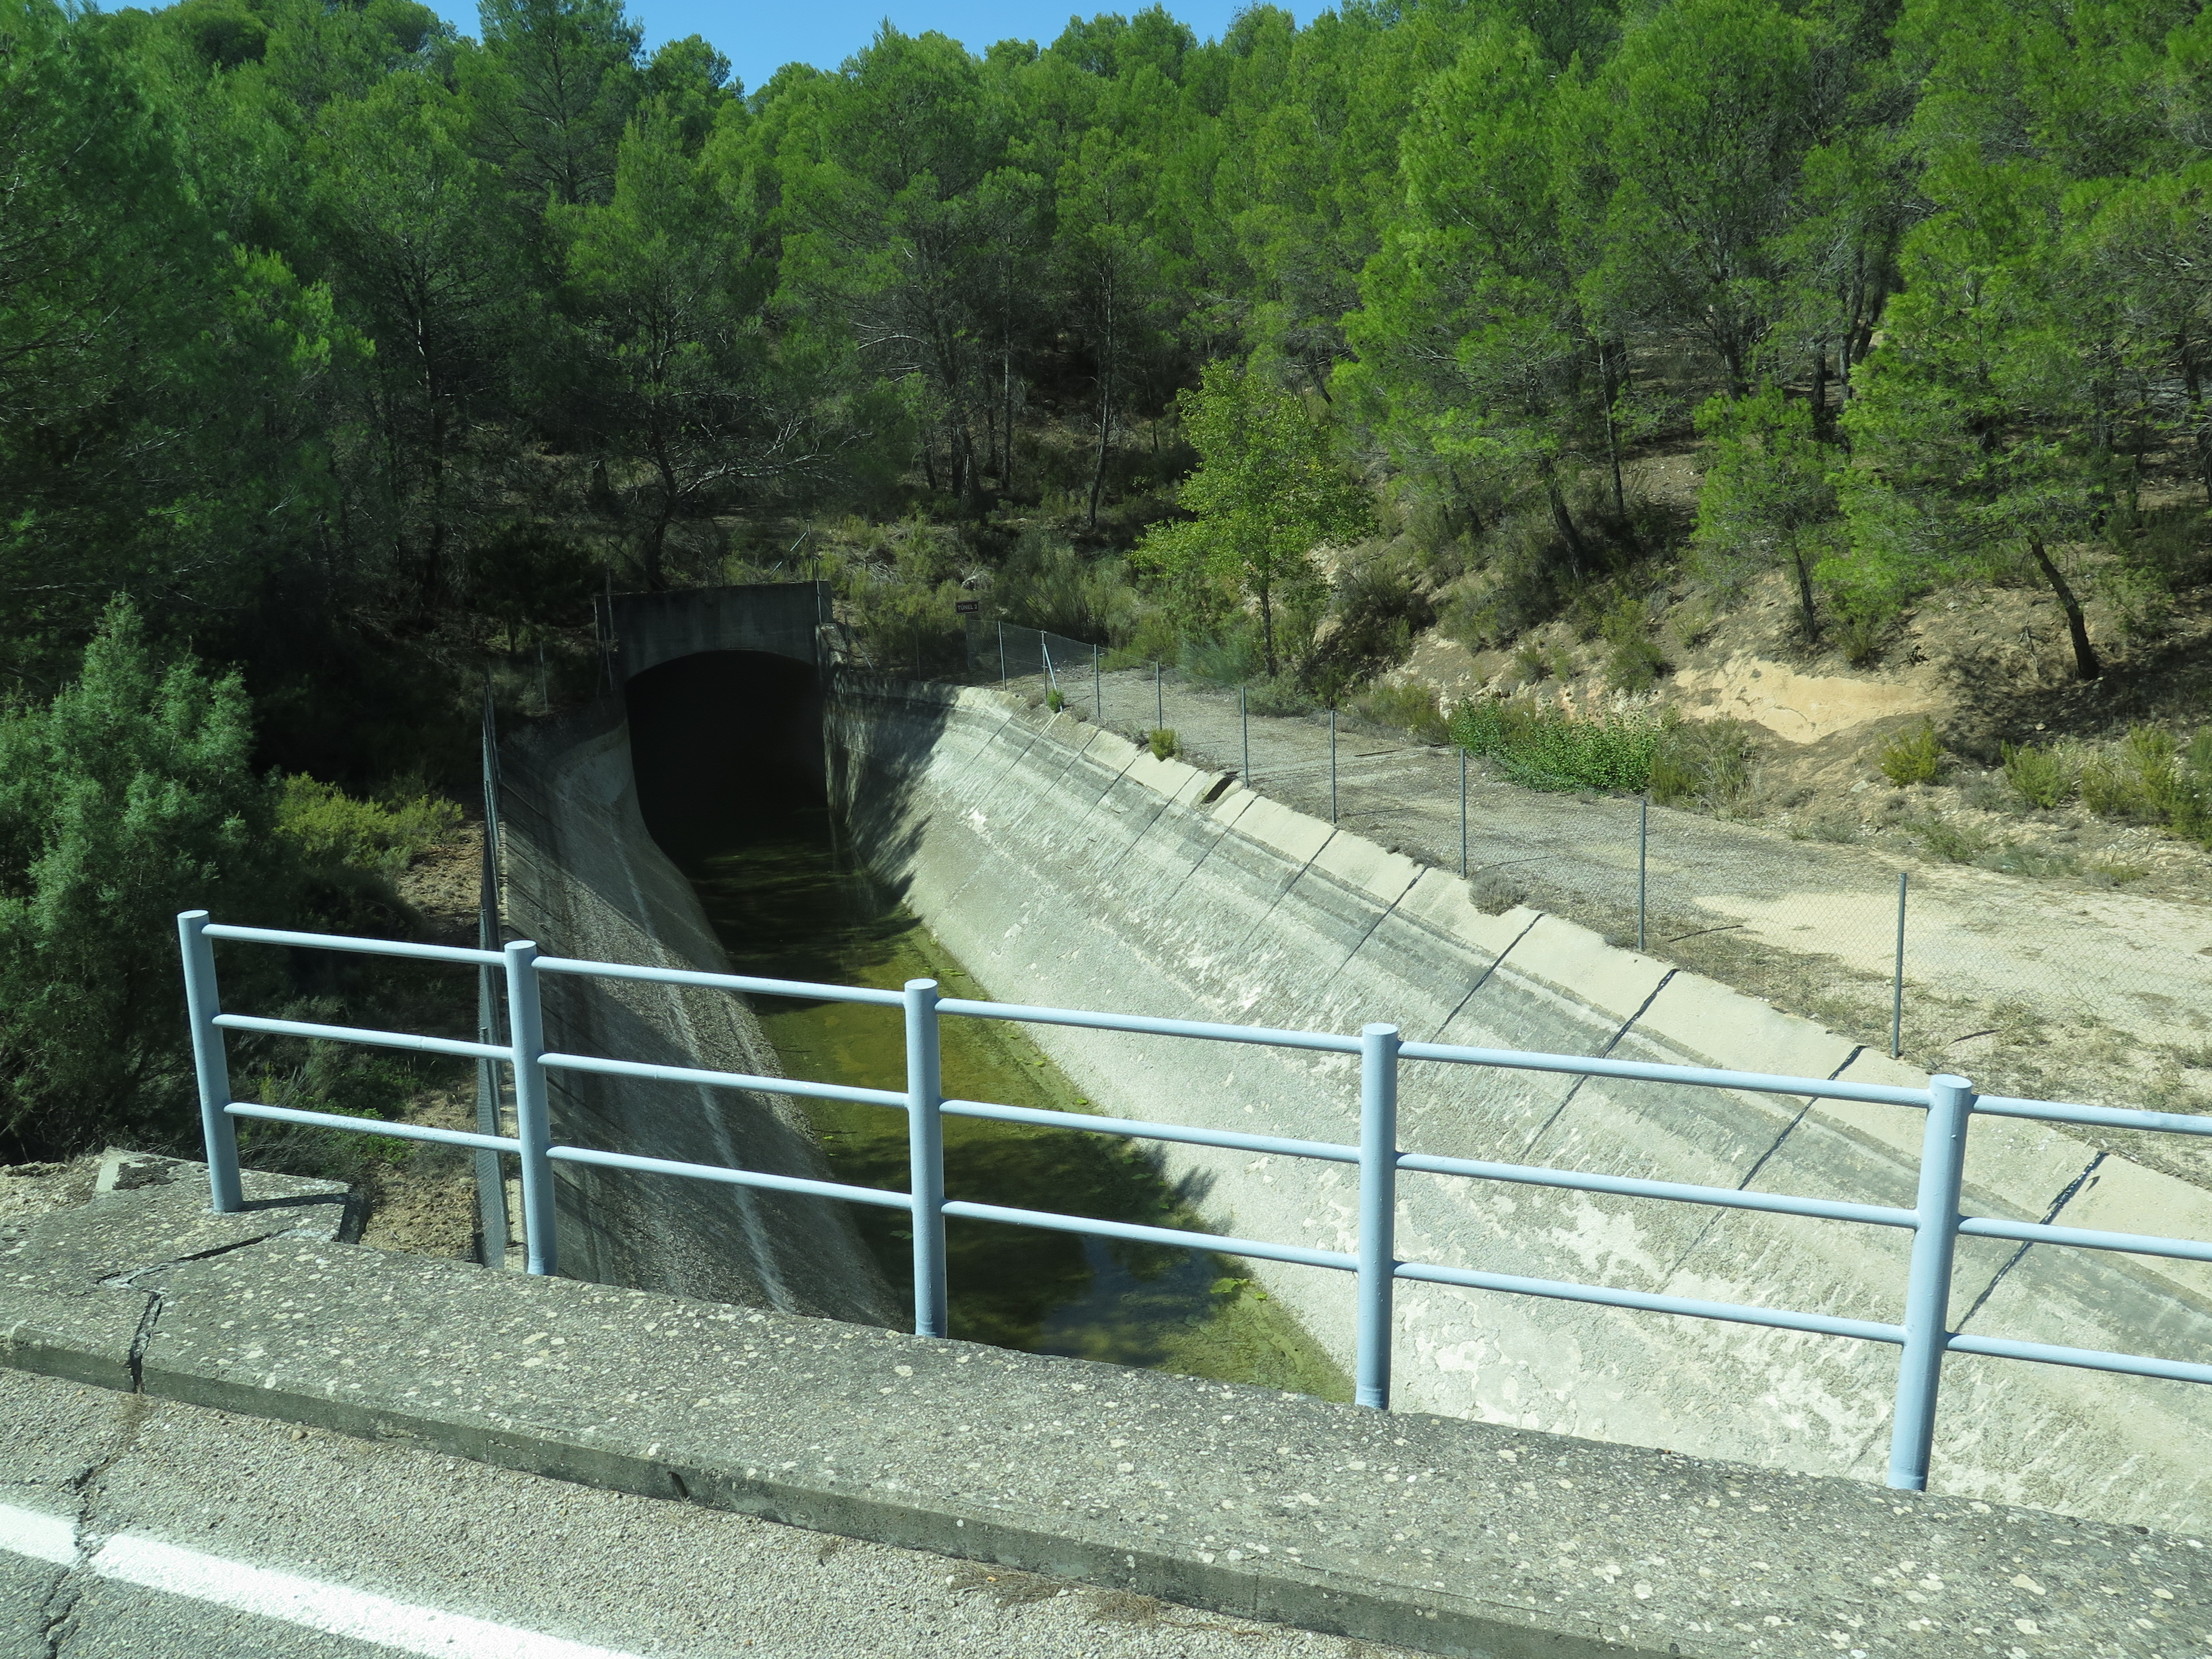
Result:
x=131 y=1529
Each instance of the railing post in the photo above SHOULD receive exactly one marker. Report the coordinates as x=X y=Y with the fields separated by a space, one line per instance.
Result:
x=209 y=1063
x=1928 y=1291
x=925 y=1132
x=1378 y=1211
x=525 y=1032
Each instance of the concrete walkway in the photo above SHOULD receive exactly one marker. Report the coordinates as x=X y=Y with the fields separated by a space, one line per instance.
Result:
x=2028 y=986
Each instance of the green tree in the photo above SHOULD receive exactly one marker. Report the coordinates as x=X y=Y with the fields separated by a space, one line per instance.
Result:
x=667 y=269
x=1767 y=498
x=1266 y=493
x=1476 y=354
x=408 y=219
x=552 y=86
x=129 y=797
x=1710 y=108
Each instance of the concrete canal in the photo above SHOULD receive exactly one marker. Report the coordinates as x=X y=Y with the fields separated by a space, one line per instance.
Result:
x=731 y=789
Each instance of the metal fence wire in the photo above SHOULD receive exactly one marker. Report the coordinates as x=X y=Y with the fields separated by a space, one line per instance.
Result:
x=1922 y=1335
x=1916 y=956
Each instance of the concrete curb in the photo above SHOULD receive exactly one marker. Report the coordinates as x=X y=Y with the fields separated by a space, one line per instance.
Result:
x=1455 y=1537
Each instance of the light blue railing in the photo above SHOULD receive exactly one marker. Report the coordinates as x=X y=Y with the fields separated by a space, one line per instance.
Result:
x=1935 y=1220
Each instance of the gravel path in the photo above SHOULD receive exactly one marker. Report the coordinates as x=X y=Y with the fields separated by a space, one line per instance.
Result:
x=2024 y=985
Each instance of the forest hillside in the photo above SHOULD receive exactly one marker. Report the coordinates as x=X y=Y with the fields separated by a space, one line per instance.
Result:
x=1492 y=369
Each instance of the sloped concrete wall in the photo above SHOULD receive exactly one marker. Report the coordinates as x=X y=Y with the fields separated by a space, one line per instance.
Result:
x=1063 y=865
x=582 y=877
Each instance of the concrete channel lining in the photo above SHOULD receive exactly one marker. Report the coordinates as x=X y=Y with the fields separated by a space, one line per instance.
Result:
x=1450 y=1536
x=1063 y=864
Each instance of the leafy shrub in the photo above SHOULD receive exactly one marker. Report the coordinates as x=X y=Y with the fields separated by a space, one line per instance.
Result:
x=1858 y=635
x=1548 y=749
x=1704 y=762
x=1053 y=700
x=2150 y=777
x=1913 y=756
x=332 y=830
x=1047 y=583
x=1374 y=610
x=1280 y=694
x=2041 y=777
x=1229 y=659
x=1410 y=709
x=1163 y=743
x=1531 y=663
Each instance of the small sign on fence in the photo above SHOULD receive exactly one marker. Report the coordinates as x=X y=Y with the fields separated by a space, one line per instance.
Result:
x=966 y=607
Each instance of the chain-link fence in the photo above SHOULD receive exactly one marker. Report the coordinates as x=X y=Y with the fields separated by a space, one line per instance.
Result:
x=2030 y=986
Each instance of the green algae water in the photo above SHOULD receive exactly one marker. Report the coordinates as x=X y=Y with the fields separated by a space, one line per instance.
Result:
x=791 y=900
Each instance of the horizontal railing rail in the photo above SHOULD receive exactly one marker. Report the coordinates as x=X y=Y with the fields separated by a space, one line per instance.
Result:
x=1935 y=1220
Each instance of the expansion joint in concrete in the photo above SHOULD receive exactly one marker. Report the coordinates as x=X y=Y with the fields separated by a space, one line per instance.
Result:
x=1612 y=1042
x=2065 y=1197
x=1481 y=980
x=1758 y=1163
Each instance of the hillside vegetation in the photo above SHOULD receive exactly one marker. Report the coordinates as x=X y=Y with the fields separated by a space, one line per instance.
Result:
x=1524 y=369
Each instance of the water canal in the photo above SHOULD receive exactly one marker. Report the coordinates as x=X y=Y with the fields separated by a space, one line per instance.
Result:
x=790 y=898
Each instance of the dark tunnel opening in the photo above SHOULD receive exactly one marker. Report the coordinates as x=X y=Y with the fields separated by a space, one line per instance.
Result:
x=725 y=745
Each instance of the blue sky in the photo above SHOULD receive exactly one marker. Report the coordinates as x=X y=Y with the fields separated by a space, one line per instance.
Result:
x=758 y=38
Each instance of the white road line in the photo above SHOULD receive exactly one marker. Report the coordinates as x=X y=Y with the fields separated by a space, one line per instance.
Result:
x=42 y=1537
x=312 y=1604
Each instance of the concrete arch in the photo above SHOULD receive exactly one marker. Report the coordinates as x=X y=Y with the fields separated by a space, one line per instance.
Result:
x=640 y=631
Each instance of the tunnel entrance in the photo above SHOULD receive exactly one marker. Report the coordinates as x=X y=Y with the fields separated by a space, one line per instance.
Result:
x=724 y=743
x=727 y=751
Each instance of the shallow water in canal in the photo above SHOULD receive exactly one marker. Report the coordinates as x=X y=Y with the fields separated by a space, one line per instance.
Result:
x=791 y=900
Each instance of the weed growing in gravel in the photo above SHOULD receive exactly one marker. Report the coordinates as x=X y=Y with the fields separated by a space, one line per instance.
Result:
x=1163 y=743
x=1956 y=843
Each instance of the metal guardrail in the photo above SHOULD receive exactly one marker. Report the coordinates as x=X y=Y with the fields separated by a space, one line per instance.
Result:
x=1934 y=1219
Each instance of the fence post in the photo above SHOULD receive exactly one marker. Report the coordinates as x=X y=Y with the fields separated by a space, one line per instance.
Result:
x=1097 y=691
x=1642 y=862
x=1896 y=984
x=1332 y=765
x=1002 y=656
x=1462 y=813
x=1928 y=1290
x=1159 y=697
x=925 y=1140
x=490 y=1177
x=202 y=1002
x=1378 y=1211
x=526 y=1030
x=1245 y=725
